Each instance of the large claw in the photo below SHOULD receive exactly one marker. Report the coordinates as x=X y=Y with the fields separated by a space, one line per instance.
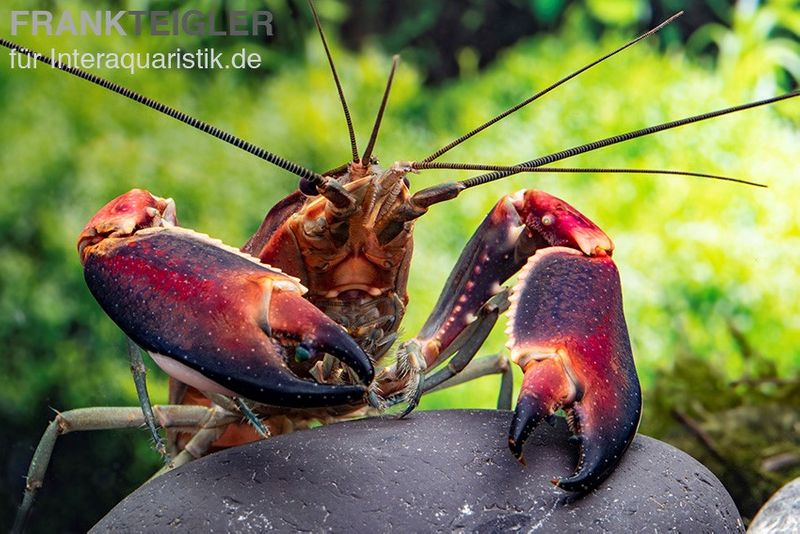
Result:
x=567 y=331
x=211 y=316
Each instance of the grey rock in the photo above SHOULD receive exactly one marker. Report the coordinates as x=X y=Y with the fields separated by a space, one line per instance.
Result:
x=434 y=471
x=781 y=513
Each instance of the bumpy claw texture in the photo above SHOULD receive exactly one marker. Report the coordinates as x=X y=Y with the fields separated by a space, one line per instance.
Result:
x=567 y=331
x=212 y=317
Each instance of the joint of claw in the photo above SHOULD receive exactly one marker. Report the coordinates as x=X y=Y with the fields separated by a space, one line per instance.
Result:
x=503 y=363
x=62 y=424
x=528 y=359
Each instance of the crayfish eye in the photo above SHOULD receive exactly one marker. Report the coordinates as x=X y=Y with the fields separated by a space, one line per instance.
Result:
x=548 y=219
x=307 y=188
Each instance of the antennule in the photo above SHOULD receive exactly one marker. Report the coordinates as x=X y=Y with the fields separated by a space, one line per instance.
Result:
x=259 y=152
x=422 y=165
x=543 y=92
x=564 y=154
x=351 y=132
x=374 y=136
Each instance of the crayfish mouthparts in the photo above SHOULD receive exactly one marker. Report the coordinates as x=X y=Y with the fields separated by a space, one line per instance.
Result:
x=212 y=316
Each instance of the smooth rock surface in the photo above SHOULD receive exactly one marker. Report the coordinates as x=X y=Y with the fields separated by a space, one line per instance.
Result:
x=435 y=471
x=781 y=513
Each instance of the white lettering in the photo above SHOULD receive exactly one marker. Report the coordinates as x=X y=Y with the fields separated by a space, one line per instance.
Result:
x=114 y=22
x=66 y=24
x=42 y=18
x=16 y=21
x=96 y=25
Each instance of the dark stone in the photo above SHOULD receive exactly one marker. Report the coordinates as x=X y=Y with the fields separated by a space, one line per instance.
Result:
x=435 y=471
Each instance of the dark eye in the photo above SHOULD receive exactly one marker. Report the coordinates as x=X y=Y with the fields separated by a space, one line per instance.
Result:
x=307 y=188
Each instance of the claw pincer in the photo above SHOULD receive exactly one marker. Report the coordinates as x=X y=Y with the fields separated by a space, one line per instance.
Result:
x=211 y=316
x=566 y=326
x=567 y=331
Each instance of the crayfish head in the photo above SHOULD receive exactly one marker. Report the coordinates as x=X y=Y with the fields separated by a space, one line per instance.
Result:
x=124 y=216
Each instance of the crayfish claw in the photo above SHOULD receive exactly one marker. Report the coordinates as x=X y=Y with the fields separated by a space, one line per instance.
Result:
x=567 y=331
x=294 y=318
x=211 y=316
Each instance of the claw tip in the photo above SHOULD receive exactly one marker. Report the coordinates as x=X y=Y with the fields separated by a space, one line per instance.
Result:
x=407 y=411
x=516 y=450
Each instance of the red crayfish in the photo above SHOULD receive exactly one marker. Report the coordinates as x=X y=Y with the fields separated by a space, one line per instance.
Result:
x=299 y=324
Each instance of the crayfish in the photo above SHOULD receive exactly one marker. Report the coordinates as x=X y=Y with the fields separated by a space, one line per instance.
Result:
x=301 y=323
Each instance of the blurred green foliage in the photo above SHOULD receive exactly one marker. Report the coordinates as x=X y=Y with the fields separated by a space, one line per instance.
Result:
x=709 y=269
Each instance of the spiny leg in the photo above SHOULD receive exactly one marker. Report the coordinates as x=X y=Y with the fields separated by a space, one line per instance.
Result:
x=235 y=411
x=209 y=428
x=139 y=372
x=251 y=417
x=465 y=346
x=477 y=368
x=99 y=418
x=489 y=365
x=506 y=389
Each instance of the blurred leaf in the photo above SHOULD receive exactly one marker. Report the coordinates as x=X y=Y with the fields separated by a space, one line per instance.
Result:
x=617 y=12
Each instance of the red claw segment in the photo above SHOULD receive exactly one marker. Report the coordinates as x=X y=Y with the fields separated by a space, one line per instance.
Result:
x=545 y=389
x=559 y=224
x=294 y=318
x=126 y=214
x=212 y=316
x=567 y=331
x=518 y=226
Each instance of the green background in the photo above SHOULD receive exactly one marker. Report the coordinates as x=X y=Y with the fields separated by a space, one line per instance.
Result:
x=709 y=270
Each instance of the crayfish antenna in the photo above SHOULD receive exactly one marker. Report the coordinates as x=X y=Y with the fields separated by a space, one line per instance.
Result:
x=546 y=90
x=365 y=159
x=627 y=136
x=422 y=165
x=213 y=131
x=351 y=132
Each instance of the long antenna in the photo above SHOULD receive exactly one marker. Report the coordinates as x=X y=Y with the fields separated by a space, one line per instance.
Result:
x=564 y=154
x=259 y=152
x=543 y=92
x=353 y=146
x=374 y=137
x=423 y=165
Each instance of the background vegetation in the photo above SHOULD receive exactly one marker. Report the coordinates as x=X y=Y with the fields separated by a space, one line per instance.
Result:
x=710 y=271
